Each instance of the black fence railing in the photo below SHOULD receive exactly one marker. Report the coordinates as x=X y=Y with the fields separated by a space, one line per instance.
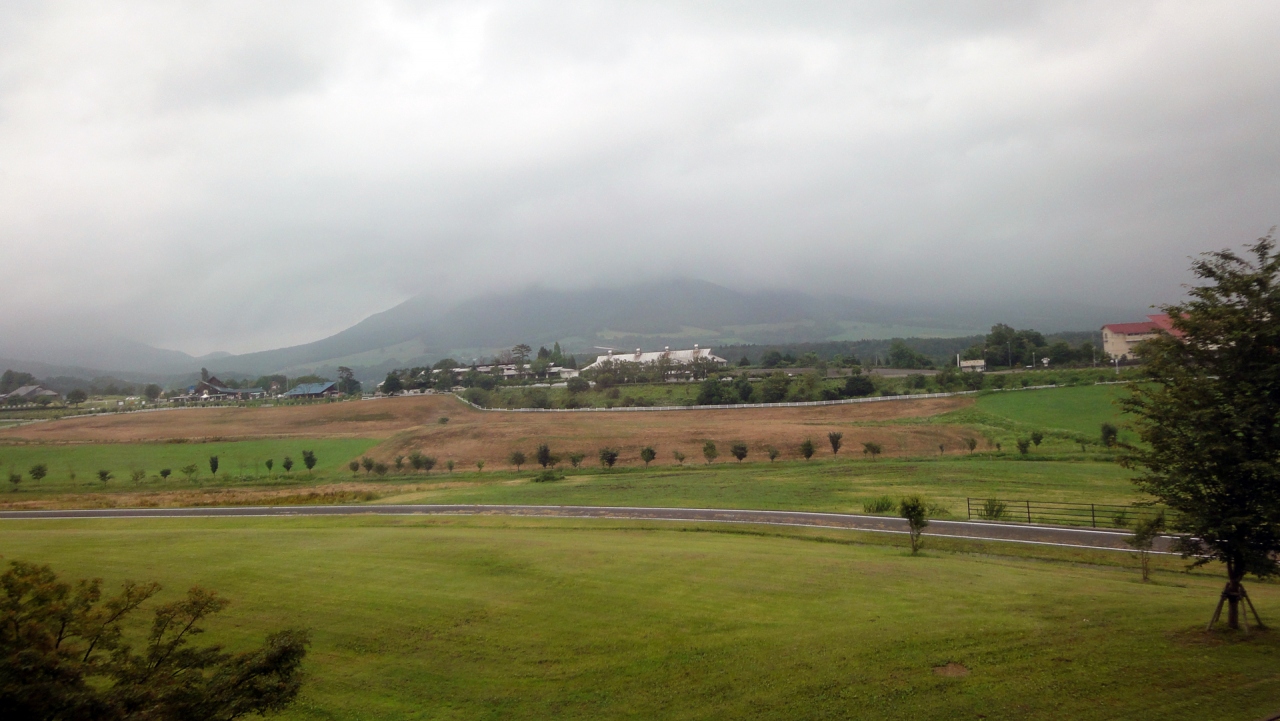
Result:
x=1055 y=513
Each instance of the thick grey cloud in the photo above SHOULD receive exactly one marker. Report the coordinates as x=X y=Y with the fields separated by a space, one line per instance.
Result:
x=246 y=175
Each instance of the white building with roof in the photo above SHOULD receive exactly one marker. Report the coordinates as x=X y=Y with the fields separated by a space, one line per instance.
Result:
x=675 y=357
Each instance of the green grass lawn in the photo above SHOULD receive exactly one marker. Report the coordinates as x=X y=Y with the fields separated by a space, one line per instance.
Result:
x=511 y=619
x=234 y=458
x=1077 y=409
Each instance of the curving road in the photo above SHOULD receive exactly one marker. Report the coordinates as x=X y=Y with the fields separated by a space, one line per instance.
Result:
x=985 y=531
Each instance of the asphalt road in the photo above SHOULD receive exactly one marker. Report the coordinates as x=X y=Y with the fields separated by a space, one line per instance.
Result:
x=988 y=531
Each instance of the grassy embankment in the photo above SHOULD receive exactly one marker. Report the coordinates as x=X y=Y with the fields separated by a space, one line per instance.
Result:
x=488 y=618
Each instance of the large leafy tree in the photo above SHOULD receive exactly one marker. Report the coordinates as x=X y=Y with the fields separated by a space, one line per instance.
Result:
x=65 y=653
x=1207 y=410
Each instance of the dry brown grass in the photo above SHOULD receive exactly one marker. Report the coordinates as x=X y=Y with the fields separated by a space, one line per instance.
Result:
x=411 y=423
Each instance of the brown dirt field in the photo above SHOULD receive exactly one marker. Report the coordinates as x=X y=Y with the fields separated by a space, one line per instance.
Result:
x=410 y=423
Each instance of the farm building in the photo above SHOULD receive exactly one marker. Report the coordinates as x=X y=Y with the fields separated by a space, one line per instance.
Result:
x=1119 y=339
x=214 y=389
x=29 y=394
x=313 y=390
x=675 y=357
x=973 y=366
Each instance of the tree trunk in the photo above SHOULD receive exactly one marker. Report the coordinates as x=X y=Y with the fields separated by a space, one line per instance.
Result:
x=1233 y=593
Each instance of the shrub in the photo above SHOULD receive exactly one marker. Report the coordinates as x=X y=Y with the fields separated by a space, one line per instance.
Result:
x=872 y=449
x=608 y=457
x=575 y=458
x=38 y=472
x=971 y=444
x=547 y=476
x=164 y=473
x=415 y=460
x=15 y=479
x=676 y=454
x=1024 y=446
x=709 y=451
x=366 y=463
x=516 y=459
x=288 y=464
x=137 y=475
x=993 y=510
x=270 y=464
x=380 y=468
x=577 y=385
x=738 y=450
x=1037 y=437
x=399 y=463
x=543 y=455
x=883 y=504
x=190 y=471
x=773 y=453
x=1110 y=435
x=354 y=466
x=480 y=466
x=449 y=464
x=916 y=511
x=807 y=449
x=442 y=420
x=834 y=438
x=309 y=459
x=105 y=475
x=647 y=454
x=213 y=465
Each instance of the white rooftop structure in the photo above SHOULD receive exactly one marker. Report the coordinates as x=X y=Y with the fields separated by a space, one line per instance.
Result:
x=678 y=357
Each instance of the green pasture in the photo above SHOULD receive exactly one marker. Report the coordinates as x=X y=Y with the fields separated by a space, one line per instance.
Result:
x=523 y=619
x=1077 y=409
x=836 y=486
x=235 y=458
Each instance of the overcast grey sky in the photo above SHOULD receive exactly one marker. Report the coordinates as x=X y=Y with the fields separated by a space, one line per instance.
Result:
x=237 y=176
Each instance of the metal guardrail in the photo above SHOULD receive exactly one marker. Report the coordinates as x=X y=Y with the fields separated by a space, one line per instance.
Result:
x=1057 y=513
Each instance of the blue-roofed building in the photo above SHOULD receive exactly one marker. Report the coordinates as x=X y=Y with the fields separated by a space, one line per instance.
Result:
x=313 y=390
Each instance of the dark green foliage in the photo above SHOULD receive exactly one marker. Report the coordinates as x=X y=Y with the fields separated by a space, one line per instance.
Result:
x=392 y=384
x=647 y=454
x=76 y=396
x=213 y=465
x=38 y=472
x=773 y=453
x=366 y=463
x=1024 y=446
x=547 y=476
x=744 y=362
x=1109 y=435
x=775 y=387
x=834 y=438
x=190 y=471
x=1037 y=437
x=807 y=449
x=545 y=457
x=712 y=392
x=381 y=468
x=15 y=479
x=65 y=654
x=738 y=450
x=12 y=380
x=347 y=383
x=742 y=386
x=676 y=454
x=709 y=451
x=916 y=511
x=165 y=472
x=903 y=356
x=399 y=463
x=608 y=457
x=287 y=464
x=516 y=459
x=309 y=459
x=575 y=458
x=1207 y=410
x=104 y=475
x=858 y=386
x=270 y=464
x=577 y=384
x=872 y=449
x=354 y=466
x=971 y=444
x=883 y=504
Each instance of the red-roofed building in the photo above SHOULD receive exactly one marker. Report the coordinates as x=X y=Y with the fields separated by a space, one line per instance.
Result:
x=1119 y=339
